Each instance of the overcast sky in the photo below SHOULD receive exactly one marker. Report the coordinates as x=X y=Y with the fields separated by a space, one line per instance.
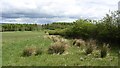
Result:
x=47 y=11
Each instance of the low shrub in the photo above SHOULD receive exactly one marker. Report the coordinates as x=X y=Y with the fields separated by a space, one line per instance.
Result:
x=57 y=32
x=54 y=32
x=29 y=51
x=57 y=48
x=104 y=50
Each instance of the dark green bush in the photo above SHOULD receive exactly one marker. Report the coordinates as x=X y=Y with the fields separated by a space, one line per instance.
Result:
x=81 y=29
x=108 y=29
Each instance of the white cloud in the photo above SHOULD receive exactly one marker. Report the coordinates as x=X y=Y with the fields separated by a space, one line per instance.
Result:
x=37 y=20
x=28 y=9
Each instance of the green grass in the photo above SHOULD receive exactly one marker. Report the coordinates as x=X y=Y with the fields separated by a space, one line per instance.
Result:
x=13 y=44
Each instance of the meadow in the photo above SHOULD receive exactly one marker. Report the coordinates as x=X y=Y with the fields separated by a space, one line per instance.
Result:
x=13 y=44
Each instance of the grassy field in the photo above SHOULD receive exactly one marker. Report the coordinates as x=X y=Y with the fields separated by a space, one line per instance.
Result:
x=13 y=44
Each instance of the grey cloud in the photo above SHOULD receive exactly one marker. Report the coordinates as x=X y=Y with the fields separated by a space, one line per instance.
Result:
x=21 y=13
x=47 y=11
x=26 y=15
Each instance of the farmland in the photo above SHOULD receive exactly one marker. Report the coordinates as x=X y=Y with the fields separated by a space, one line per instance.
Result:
x=63 y=33
x=13 y=44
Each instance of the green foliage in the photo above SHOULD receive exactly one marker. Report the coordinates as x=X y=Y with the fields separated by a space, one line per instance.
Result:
x=19 y=27
x=105 y=30
x=81 y=28
x=57 y=32
x=56 y=25
x=54 y=32
x=108 y=29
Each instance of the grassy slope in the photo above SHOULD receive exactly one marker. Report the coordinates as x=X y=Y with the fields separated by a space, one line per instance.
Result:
x=15 y=42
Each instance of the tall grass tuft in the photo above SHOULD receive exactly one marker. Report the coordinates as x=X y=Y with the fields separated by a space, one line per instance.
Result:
x=90 y=46
x=89 y=49
x=39 y=51
x=29 y=51
x=104 y=50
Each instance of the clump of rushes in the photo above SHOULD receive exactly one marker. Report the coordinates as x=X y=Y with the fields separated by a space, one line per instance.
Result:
x=57 y=48
x=104 y=50
x=89 y=49
x=29 y=51
x=74 y=41
x=39 y=51
x=90 y=46
x=79 y=42
x=54 y=38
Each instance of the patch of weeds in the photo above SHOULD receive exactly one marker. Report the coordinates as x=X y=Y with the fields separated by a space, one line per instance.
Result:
x=29 y=51
x=57 y=48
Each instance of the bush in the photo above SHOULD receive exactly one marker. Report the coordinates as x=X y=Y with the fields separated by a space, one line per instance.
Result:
x=29 y=51
x=53 y=32
x=56 y=32
x=104 y=50
x=81 y=29
x=57 y=48
x=108 y=30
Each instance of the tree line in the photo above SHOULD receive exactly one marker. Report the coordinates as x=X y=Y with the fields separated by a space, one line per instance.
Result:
x=19 y=27
x=32 y=27
x=56 y=25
